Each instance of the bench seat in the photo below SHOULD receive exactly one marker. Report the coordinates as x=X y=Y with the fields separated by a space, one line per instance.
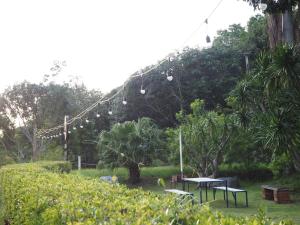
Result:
x=229 y=189
x=182 y=193
x=234 y=192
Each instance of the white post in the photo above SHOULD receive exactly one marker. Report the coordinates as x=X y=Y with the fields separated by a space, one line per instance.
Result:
x=79 y=162
x=180 y=152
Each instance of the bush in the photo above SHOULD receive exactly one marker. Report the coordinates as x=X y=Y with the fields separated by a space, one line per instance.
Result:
x=282 y=165
x=31 y=195
x=56 y=166
x=258 y=172
x=5 y=159
x=54 y=153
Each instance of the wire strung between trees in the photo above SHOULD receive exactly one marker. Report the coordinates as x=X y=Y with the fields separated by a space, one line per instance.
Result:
x=46 y=132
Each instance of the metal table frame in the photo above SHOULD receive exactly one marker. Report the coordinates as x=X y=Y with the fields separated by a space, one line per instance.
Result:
x=206 y=181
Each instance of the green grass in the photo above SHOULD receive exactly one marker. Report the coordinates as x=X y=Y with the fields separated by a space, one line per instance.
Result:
x=272 y=209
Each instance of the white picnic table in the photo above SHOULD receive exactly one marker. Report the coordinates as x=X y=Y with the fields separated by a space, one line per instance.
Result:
x=206 y=181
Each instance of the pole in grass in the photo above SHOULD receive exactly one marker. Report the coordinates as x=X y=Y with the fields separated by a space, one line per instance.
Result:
x=180 y=152
x=66 y=138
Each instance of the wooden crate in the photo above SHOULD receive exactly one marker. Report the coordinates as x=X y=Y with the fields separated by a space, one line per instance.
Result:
x=278 y=194
x=282 y=195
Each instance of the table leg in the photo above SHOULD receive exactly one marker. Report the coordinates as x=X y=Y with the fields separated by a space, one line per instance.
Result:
x=246 y=198
x=188 y=186
x=200 y=188
x=227 y=203
x=206 y=190
x=183 y=185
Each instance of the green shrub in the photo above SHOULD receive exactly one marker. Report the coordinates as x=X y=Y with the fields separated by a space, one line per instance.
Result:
x=282 y=165
x=56 y=166
x=6 y=159
x=31 y=195
x=257 y=172
x=54 y=153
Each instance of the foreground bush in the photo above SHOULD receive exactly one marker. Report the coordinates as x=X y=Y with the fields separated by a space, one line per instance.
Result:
x=30 y=194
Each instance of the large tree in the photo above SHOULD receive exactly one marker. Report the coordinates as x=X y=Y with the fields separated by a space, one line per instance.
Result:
x=268 y=101
x=205 y=135
x=131 y=144
x=283 y=18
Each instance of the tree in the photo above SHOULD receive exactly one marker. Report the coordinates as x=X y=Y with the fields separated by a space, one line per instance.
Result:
x=283 y=18
x=131 y=144
x=268 y=101
x=205 y=137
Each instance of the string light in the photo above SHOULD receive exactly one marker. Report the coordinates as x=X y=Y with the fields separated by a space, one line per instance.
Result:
x=262 y=6
x=207 y=36
x=124 y=102
x=87 y=120
x=74 y=128
x=170 y=77
x=97 y=115
x=69 y=132
x=142 y=91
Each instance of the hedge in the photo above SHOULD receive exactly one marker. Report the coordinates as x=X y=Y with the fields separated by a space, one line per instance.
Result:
x=32 y=195
x=257 y=172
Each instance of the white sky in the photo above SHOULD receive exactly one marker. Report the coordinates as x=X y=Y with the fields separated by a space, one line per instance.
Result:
x=102 y=41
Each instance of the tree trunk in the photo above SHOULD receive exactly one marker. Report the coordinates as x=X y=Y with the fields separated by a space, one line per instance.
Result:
x=134 y=173
x=35 y=149
x=287 y=25
x=274 y=26
x=297 y=26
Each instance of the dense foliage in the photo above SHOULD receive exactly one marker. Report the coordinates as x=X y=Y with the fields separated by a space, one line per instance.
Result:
x=267 y=102
x=205 y=135
x=31 y=195
x=131 y=144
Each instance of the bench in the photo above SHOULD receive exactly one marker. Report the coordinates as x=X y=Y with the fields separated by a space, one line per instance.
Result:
x=278 y=194
x=234 y=192
x=181 y=193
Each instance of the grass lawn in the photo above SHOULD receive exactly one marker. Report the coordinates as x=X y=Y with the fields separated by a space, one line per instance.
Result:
x=149 y=183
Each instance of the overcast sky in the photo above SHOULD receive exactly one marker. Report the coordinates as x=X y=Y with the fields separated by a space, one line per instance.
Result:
x=103 y=41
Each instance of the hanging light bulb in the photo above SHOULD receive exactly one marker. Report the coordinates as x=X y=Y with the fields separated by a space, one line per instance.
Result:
x=124 y=102
x=169 y=77
x=87 y=121
x=207 y=39
x=74 y=128
x=110 y=112
x=69 y=132
x=81 y=126
x=97 y=115
x=263 y=6
x=143 y=91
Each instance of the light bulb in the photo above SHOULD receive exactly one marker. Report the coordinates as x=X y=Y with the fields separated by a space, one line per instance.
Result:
x=97 y=115
x=110 y=112
x=74 y=128
x=263 y=6
x=87 y=121
x=143 y=91
x=208 y=39
x=170 y=78
x=124 y=102
x=81 y=126
x=69 y=132
x=122 y=154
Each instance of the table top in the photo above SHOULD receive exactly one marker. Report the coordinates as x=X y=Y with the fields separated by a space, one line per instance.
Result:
x=202 y=179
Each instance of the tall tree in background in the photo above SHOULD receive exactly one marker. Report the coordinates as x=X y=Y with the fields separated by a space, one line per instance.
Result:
x=283 y=19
